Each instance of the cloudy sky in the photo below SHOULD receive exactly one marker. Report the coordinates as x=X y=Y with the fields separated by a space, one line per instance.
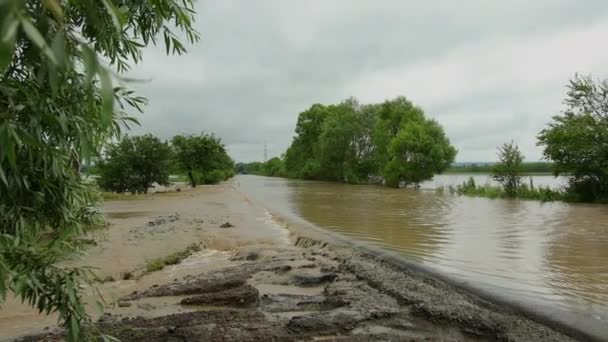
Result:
x=488 y=71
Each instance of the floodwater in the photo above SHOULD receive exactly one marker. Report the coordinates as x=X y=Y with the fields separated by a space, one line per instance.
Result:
x=554 y=254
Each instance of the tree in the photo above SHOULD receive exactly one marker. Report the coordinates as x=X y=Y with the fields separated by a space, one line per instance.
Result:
x=418 y=151
x=302 y=152
x=61 y=99
x=356 y=143
x=134 y=164
x=202 y=157
x=508 y=170
x=337 y=149
x=577 y=140
x=274 y=167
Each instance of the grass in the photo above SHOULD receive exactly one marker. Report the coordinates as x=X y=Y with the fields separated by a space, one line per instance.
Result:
x=172 y=259
x=543 y=194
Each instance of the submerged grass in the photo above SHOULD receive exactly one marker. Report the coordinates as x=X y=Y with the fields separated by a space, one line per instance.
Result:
x=525 y=192
x=172 y=259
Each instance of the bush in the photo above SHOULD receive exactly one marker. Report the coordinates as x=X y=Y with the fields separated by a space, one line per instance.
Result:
x=203 y=158
x=134 y=164
x=507 y=171
x=214 y=176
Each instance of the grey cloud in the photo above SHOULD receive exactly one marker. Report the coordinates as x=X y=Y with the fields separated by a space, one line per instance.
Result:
x=261 y=63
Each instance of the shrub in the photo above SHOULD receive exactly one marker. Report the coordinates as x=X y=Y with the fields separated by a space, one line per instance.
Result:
x=134 y=164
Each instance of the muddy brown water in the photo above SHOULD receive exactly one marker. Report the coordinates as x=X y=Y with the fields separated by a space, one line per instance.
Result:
x=554 y=254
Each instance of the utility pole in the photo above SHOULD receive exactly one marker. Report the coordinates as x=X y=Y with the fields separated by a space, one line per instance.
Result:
x=265 y=152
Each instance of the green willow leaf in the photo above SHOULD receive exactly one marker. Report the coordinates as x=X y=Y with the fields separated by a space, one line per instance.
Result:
x=35 y=37
x=107 y=96
x=58 y=48
x=116 y=15
x=8 y=33
x=54 y=7
x=89 y=58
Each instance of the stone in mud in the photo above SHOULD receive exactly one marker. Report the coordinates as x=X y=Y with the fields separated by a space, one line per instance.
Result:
x=216 y=325
x=227 y=225
x=335 y=321
x=250 y=255
x=211 y=283
x=313 y=279
x=244 y=296
x=292 y=303
x=280 y=269
x=108 y=279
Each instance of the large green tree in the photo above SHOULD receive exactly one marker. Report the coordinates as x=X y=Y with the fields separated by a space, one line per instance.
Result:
x=61 y=99
x=577 y=140
x=355 y=143
x=345 y=147
x=418 y=152
x=134 y=164
x=203 y=157
x=410 y=147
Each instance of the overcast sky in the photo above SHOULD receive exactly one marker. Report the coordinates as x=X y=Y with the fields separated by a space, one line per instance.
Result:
x=488 y=71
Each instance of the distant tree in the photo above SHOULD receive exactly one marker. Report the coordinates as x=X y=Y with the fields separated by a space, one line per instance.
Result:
x=274 y=167
x=203 y=157
x=508 y=170
x=134 y=164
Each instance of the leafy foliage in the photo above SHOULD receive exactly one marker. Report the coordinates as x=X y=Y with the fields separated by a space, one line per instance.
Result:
x=356 y=143
x=203 y=157
x=134 y=164
x=507 y=171
x=577 y=140
x=61 y=99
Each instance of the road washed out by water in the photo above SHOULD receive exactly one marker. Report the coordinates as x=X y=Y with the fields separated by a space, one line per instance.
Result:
x=554 y=254
x=259 y=275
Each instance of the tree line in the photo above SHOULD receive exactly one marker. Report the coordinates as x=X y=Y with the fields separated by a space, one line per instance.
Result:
x=391 y=142
x=135 y=163
x=526 y=167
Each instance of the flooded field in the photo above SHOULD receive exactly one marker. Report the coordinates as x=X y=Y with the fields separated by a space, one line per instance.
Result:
x=555 y=254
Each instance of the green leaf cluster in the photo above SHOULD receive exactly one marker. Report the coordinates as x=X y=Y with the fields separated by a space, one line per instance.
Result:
x=577 y=140
x=203 y=158
x=62 y=97
x=134 y=164
x=349 y=142
x=508 y=170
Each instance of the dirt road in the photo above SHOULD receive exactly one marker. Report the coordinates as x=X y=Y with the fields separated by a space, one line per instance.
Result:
x=258 y=279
